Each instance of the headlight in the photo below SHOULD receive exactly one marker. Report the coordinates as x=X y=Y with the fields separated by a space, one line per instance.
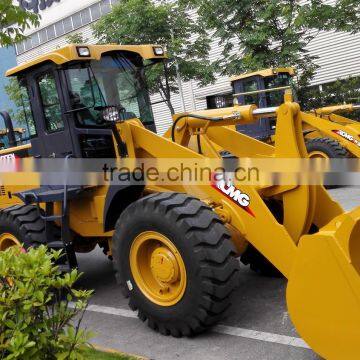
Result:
x=158 y=50
x=111 y=114
x=83 y=51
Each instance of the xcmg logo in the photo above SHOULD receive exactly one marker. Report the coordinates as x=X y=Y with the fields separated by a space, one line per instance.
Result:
x=347 y=136
x=226 y=187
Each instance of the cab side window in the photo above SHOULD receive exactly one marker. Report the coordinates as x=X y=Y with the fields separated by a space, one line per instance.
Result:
x=249 y=86
x=50 y=102
x=3 y=135
x=26 y=117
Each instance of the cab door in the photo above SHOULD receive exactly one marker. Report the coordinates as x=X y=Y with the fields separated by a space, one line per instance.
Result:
x=54 y=136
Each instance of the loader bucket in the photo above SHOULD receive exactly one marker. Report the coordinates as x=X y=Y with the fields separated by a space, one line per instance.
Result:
x=323 y=292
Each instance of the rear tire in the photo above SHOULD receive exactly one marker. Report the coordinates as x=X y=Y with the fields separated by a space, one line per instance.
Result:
x=23 y=222
x=328 y=147
x=207 y=252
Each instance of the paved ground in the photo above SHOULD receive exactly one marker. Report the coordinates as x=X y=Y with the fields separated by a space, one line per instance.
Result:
x=260 y=306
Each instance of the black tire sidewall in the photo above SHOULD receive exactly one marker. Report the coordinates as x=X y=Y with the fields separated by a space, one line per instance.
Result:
x=327 y=148
x=157 y=222
x=8 y=226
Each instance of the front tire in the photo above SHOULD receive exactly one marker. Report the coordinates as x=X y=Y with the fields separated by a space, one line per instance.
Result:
x=21 y=225
x=190 y=245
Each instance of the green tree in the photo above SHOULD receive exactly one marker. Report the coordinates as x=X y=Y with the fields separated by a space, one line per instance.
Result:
x=271 y=33
x=163 y=23
x=344 y=91
x=13 y=22
x=77 y=38
x=16 y=95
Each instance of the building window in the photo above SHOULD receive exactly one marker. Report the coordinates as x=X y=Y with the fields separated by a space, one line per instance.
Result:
x=59 y=28
x=20 y=48
x=68 y=25
x=95 y=12
x=219 y=101
x=105 y=7
x=85 y=16
x=35 y=39
x=42 y=36
x=76 y=19
x=28 y=44
x=50 y=32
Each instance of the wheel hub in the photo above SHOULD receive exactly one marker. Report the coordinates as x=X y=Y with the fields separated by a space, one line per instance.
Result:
x=158 y=268
x=164 y=265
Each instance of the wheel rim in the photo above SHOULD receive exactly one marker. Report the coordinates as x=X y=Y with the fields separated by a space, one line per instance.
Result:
x=316 y=154
x=8 y=240
x=158 y=268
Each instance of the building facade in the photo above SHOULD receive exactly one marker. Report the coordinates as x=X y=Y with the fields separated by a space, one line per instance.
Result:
x=337 y=52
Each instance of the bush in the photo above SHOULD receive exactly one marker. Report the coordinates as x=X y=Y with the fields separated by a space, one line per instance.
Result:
x=38 y=307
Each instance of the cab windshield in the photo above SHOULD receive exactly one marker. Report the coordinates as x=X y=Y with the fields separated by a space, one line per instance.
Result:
x=116 y=80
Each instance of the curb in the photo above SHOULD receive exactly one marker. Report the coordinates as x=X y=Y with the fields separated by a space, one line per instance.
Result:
x=117 y=352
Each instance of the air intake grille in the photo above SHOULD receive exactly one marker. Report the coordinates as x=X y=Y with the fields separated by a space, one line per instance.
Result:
x=2 y=191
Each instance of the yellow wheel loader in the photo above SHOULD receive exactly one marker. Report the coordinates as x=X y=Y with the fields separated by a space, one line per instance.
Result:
x=174 y=246
x=328 y=135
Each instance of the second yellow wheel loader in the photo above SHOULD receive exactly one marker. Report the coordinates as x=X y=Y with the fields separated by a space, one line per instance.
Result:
x=328 y=135
x=174 y=246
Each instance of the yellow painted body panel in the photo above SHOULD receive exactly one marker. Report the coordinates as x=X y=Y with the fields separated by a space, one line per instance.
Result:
x=69 y=53
x=323 y=292
x=265 y=73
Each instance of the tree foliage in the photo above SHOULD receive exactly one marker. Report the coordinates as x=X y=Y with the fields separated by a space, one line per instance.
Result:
x=163 y=23
x=270 y=33
x=345 y=91
x=13 y=22
x=37 y=321
x=16 y=94
x=76 y=38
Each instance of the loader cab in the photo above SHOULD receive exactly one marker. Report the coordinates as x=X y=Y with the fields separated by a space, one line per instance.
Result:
x=70 y=89
x=265 y=88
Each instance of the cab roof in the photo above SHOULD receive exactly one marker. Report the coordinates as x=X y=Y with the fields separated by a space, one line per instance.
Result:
x=265 y=73
x=70 y=53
